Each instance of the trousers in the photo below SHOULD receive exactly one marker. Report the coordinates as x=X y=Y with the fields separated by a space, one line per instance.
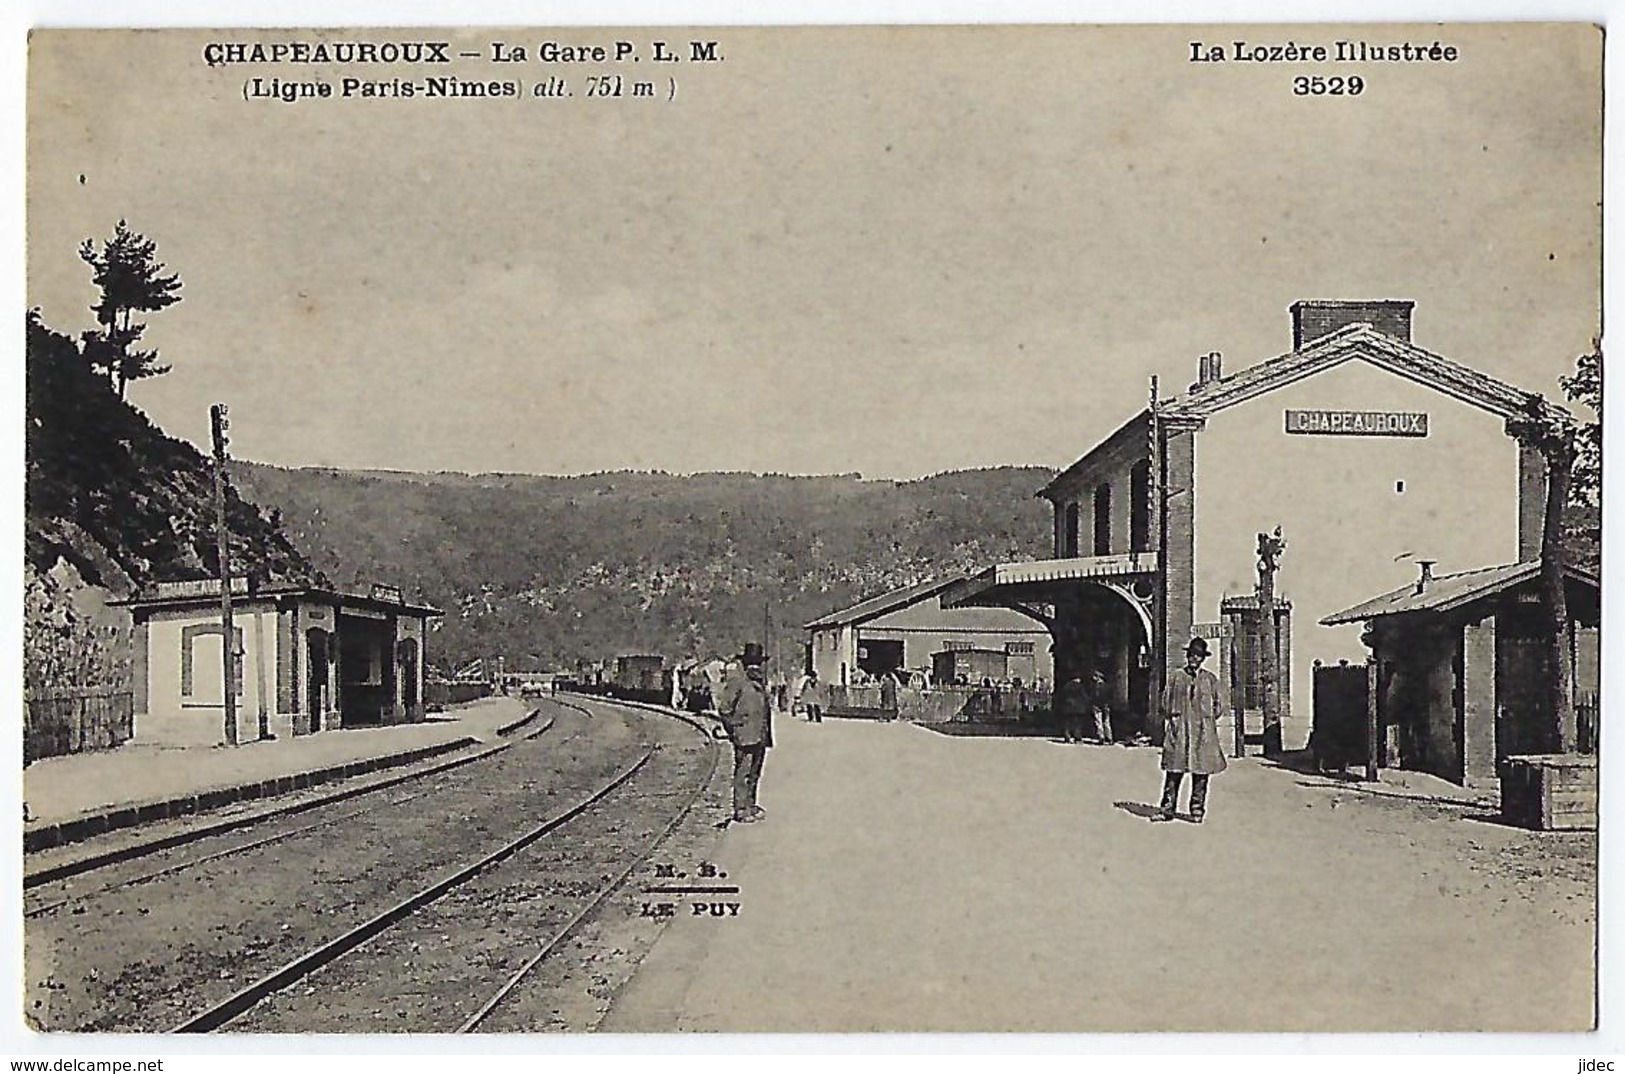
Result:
x=747 y=774
x=1170 y=793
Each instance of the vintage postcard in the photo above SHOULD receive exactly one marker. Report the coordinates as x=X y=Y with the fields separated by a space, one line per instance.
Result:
x=825 y=529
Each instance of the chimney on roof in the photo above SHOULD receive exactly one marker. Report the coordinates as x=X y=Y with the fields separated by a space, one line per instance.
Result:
x=1209 y=370
x=1314 y=318
x=1427 y=574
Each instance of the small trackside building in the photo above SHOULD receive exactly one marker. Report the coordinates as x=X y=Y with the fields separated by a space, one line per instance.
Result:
x=1459 y=670
x=906 y=628
x=1370 y=452
x=307 y=659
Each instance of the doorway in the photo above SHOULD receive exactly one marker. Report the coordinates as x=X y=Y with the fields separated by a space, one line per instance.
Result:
x=879 y=657
x=318 y=646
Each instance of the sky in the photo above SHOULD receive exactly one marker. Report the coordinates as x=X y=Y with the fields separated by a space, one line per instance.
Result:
x=893 y=251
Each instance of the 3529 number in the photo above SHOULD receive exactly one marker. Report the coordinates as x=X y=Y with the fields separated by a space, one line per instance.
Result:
x=1335 y=86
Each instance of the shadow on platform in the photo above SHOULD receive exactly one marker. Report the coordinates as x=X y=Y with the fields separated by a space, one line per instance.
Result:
x=1305 y=763
x=1143 y=810
x=1000 y=729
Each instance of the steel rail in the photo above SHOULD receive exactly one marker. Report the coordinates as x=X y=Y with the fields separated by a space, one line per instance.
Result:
x=610 y=887
x=93 y=862
x=180 y=867
x=248 y=997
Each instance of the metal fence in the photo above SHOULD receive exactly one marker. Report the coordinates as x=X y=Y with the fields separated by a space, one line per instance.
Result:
x=956 y=704
x=437 y=695
x=72 y=721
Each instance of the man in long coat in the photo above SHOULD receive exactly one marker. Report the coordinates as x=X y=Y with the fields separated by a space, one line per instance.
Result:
x=1190 y=713
x=747 y=715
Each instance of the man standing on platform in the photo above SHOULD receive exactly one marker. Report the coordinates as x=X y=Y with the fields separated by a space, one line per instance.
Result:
x=1070 y=704
x=1100 y=706
x=811 y=698
x=747 y=715
x=888 y=696
x=1190 y=713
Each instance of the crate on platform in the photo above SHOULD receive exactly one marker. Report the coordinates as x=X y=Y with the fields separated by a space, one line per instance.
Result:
x=1550 y=791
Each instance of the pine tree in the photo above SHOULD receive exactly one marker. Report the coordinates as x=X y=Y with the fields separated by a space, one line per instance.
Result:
x=132 y=281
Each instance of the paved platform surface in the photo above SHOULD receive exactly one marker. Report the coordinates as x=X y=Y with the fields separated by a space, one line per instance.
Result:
x=61 y=789
x=908 y=881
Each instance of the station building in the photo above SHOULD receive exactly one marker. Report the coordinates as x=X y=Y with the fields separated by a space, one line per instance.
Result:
x=908 y=628
x=1370 y=452
x=307 y=660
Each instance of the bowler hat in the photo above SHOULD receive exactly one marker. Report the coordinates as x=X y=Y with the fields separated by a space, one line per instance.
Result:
x=752 y=656
x=1197 y=645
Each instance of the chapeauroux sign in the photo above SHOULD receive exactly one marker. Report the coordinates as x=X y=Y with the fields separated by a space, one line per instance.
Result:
x=1357 y=422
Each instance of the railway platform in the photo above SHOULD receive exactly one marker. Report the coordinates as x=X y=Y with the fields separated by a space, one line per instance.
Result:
x=69 y=796
x=908 y=881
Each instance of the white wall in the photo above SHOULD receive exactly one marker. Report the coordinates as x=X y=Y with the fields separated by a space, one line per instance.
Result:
x=198 y=719
x=828 y=654
x=1335 y=498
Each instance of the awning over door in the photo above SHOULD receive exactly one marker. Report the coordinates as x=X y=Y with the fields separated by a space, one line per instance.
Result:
x=1041 y=581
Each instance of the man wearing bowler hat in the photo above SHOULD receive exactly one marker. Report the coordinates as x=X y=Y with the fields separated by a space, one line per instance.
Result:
x=747 y=715
x=1190 y=713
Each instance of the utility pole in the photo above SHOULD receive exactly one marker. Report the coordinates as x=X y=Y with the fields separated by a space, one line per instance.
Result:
x=1270 y=547
x=218 y=423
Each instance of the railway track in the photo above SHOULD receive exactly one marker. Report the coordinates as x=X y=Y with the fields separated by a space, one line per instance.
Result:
x=77 y=863
x=475 y=939
x=469 y=941
x=58 y=896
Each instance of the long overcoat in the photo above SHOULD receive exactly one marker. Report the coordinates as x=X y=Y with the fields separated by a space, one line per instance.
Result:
x=1190 y=712
x=746 y=713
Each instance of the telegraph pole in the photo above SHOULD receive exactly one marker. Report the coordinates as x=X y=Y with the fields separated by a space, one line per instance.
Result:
x=218 y=423
x=1270 y=547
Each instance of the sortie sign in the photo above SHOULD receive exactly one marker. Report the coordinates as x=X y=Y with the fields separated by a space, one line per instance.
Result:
x=1356 y=422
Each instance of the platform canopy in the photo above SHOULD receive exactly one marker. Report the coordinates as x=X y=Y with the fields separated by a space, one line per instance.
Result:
x=1041 y=581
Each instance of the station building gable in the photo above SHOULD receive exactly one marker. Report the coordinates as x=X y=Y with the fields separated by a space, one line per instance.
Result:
x=1364 y=447
x=1358 y=510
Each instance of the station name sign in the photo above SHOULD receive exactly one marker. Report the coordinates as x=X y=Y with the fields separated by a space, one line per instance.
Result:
x=1357 y=422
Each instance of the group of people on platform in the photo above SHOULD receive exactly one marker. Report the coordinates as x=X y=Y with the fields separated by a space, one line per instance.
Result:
x=1189 y=707
x=1084 y=705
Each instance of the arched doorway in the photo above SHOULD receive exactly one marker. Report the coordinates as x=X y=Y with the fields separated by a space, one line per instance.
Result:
x=1105 y=628
x=318 y=679
x=406 y=679
x=1100 y=614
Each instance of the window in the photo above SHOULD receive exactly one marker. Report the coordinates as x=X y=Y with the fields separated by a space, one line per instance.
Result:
x=957 y=646
x=201 y=671
x=1070 y=541
x=1019 y=648
x=1139 y=519
x=1103 y=520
